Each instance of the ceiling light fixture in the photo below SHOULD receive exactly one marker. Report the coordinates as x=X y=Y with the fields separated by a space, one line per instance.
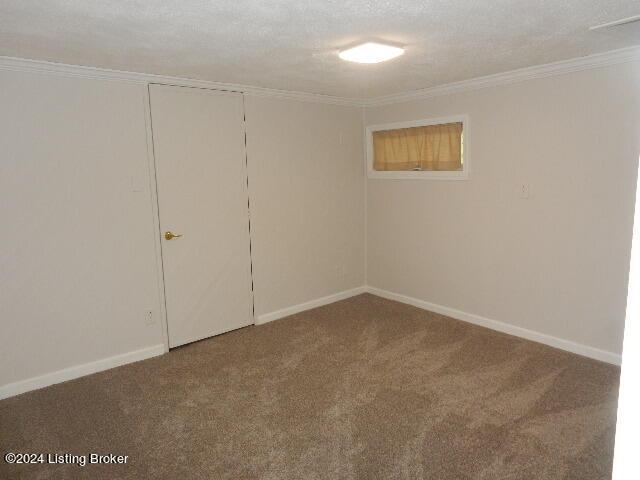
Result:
x=371 y=52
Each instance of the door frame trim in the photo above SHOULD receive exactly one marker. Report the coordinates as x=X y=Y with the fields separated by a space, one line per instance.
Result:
x=153 y=189
x=252 y=295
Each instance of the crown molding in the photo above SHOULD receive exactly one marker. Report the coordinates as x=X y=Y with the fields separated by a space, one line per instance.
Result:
x=79 y=71
x=597 y=60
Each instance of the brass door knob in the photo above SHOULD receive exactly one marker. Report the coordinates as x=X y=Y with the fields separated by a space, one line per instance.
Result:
x=169 y=235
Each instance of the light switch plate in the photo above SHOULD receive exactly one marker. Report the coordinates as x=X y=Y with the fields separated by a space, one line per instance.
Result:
x=148 y=317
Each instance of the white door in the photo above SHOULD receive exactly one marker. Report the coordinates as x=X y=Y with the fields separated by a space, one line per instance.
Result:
x=199 y=148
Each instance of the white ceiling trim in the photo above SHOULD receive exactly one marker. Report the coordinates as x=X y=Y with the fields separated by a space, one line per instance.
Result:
x=598 y=60
x=613 y=57
x=62 y=69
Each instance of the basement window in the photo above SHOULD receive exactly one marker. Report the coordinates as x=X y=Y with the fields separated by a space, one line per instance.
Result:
x=434 y=149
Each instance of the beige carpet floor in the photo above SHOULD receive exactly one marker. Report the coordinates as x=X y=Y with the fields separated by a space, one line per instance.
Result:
x=365 y=388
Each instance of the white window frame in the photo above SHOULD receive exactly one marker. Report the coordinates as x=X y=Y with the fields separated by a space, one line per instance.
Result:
x=421 y=174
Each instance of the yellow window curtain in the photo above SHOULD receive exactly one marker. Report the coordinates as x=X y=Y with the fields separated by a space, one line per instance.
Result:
x=432 y=147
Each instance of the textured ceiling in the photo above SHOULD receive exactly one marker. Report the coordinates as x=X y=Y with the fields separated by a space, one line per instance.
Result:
x=292 y=44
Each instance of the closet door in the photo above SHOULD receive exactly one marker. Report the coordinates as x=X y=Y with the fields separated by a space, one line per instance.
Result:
x=199 y=149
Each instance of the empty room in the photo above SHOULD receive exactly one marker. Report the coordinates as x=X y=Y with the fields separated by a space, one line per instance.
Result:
x=319 y=240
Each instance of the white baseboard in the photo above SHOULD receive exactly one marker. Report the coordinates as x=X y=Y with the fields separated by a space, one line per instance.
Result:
x=556 y=342
x=318 y=302
x=70 y=373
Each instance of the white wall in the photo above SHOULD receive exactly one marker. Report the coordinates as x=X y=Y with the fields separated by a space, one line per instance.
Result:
x=555 y=263
x=78 y=265
x=306 y=188
x=77 y=257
